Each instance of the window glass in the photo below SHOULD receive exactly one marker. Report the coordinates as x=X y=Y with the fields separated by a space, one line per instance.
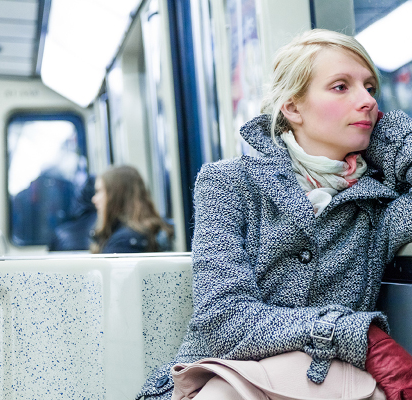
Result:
x=211 y=133
x=231 y=51
x=117 y=127
x=246 y=63
x=46 y=165
x=158 y=119
x=382 y=26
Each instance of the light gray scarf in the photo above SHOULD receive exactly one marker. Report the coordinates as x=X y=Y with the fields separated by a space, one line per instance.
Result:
x=320 y=177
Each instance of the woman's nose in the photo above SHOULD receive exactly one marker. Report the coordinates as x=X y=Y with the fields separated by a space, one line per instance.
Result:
x=366 y=100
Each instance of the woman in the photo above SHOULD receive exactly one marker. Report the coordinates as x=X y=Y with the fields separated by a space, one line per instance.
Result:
x=289 y=248
x=127 y=219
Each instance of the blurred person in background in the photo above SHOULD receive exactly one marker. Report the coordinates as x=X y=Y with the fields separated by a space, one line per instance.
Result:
x=127 y=220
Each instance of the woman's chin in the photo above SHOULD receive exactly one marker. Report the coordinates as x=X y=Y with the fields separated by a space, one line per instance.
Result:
x=361 y=145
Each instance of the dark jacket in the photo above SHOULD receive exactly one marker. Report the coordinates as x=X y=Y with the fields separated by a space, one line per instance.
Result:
x=264 y=268
x=126 y=240
x=74 y=234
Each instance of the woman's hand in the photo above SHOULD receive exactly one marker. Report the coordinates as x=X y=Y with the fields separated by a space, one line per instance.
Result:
x=390 y=365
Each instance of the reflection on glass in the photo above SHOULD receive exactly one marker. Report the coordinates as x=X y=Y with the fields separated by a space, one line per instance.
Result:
x=159 y=126
x=45 y=167
x=115 y=95
x=246 y=63
x=204 y=38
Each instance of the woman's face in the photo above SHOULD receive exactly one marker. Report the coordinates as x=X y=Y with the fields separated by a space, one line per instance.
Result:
x=100 y=197
x=338 y=112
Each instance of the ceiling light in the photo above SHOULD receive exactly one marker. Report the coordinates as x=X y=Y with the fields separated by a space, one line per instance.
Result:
x=82 y=39
x=69 y=76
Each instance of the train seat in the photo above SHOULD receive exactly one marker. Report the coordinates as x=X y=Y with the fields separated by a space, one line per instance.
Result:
x=95 y=326
x=89 y=327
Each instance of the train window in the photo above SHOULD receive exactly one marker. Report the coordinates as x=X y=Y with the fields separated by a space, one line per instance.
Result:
x=380 y=26
x=227 y=42
x=46 y=164
x=158 y=119
x=246 y=73
x=212 y=134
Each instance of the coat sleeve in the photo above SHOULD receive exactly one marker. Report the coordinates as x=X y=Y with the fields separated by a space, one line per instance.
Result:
x=229 y=310
x=390 y=150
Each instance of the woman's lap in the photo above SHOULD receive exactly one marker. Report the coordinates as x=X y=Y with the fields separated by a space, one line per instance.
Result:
x=218 y=388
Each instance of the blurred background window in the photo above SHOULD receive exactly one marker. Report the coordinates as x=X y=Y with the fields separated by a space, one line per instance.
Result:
x=383 y=27
x=46 y=165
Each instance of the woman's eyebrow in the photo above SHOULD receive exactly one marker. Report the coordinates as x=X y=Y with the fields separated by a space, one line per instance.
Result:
x=339 y=74
x=346 y=75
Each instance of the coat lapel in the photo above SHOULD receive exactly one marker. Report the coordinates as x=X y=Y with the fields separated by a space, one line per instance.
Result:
x=277 y=181
x=366 y=188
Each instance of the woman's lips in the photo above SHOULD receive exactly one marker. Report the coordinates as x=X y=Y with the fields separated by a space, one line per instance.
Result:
x=363 y=124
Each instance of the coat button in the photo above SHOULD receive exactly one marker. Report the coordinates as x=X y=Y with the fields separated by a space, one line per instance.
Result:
x=305 y=256
x=161 y=381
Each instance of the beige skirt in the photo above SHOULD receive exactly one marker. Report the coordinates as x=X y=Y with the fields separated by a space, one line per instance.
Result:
x=280 y=377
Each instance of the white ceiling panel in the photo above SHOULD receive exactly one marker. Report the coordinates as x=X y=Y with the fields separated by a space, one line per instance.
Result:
x=20 y=31
x=19 y=28
x=18 y=10
x=21 y=50
x=15 y=68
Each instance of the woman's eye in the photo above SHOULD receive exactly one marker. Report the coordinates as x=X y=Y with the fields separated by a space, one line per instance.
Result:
x=371 y=90
x=340 y=88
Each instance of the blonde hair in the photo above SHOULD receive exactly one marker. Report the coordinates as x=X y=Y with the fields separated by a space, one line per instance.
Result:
x=293 y=69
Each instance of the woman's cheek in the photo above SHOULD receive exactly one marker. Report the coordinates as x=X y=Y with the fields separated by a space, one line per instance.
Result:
x=331 y=110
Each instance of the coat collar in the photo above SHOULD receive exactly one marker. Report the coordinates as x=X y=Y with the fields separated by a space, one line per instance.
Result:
x=366 y=188
x=273 y=173
x=256 y=132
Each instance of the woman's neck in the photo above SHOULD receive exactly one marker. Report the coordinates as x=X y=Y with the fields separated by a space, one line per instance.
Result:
x=320 y=148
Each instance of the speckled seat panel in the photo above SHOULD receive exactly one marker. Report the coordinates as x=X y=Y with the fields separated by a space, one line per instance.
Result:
x=51 y=336
x=167 y=307
x=92 y=327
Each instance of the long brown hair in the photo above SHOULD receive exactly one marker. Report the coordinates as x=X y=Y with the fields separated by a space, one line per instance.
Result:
x=128 y=202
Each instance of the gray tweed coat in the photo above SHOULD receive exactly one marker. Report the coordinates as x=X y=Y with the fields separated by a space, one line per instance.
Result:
x=268 y=275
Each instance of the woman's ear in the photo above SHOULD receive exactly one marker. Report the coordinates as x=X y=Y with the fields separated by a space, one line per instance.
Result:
x=291 y=112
